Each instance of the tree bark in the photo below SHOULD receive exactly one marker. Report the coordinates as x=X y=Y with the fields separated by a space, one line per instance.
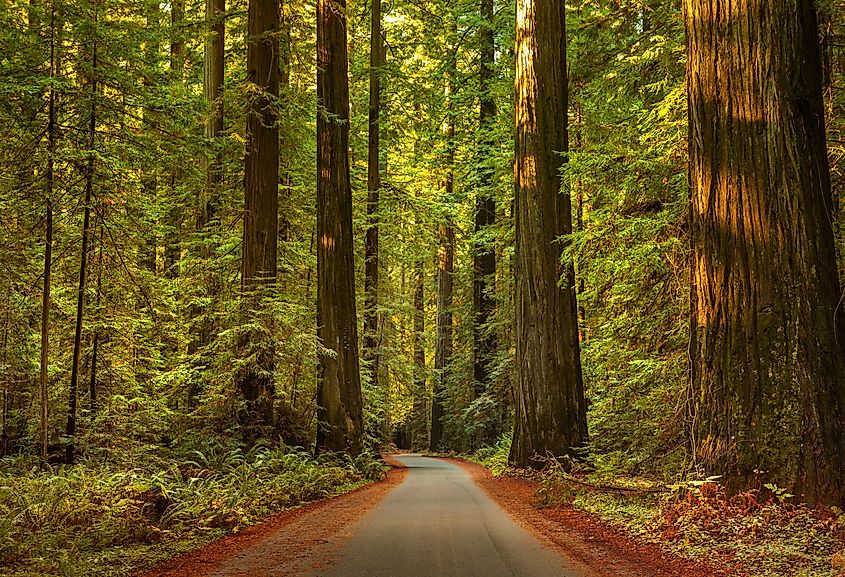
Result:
x=766 y=357
x=445 y=266
x=550 y=391
x=484 y=258
x=261 y=208
x=339 y=403
x=371 y=264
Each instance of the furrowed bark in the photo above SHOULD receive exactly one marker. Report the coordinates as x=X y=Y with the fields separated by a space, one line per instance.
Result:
x=551 y=408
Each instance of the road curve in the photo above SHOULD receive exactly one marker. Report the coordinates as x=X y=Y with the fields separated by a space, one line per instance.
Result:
x=439 y=523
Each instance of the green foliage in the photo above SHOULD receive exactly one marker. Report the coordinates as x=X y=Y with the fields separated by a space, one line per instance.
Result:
x=495 y=457
x=95 y=517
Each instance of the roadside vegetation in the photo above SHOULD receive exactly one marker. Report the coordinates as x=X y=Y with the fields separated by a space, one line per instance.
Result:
x=759 y=532
x=112 y=517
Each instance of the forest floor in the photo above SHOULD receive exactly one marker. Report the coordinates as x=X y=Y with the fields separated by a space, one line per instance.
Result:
x=308 y=540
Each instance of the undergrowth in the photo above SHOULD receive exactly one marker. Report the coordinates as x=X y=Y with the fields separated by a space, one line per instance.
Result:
x=109 y=519
x=757 y=533
x=495 y=457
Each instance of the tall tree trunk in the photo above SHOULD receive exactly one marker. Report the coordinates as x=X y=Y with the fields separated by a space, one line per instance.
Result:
x=445 y=263
x=484 y=258
x=371 y=264
x=419 y=418
x=149 y=180
x=551 y=405
x=766 y=352
x=44 y=433
x=70 y=431
x=579 y=227
x=285 y=227
x=213 y=76
x=261 y=207
x=339 y=404
x=172 y=240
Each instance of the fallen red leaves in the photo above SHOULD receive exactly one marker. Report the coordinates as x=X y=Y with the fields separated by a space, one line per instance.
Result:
x=603 y=550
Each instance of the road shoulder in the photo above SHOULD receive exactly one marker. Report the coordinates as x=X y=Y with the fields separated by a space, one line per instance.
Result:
x=606 y=551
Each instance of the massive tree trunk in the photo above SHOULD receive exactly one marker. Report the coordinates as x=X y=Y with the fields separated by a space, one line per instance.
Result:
x=766 y=357
x=261 y=208
x=445 y=267
x=340 y=411
x=485 y=215
x=551 y=407
x=371 y=265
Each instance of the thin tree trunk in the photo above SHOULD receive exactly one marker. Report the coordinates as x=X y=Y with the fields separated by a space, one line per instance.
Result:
x=213 y=77
x=767 y=364
x=551 y=406
x=172 y=240
x=419 y=419
x=371 y=263
x=285 y=227
x=339 y=404
x=95 y=347
x=261 y=206
x=445 y=266
x=48 y=248
x=149 y=180
x=579 y=227
x=83 y=264
x=484 y=258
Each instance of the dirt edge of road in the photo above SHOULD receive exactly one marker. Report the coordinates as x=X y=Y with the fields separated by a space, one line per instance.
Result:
x=604 y=550
x=305 y=521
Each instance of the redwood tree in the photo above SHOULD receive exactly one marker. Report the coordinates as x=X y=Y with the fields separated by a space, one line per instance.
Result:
x=484 y=258
x=339 y=404
x=371 y=264
x=551 y=411
x=766 y=357
x=445 y=259
x=261 y=205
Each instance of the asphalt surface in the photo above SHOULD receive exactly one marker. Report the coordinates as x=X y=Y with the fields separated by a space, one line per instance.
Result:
x=439 y=523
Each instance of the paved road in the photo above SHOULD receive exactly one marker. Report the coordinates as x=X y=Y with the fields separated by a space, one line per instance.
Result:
x=438 y=523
